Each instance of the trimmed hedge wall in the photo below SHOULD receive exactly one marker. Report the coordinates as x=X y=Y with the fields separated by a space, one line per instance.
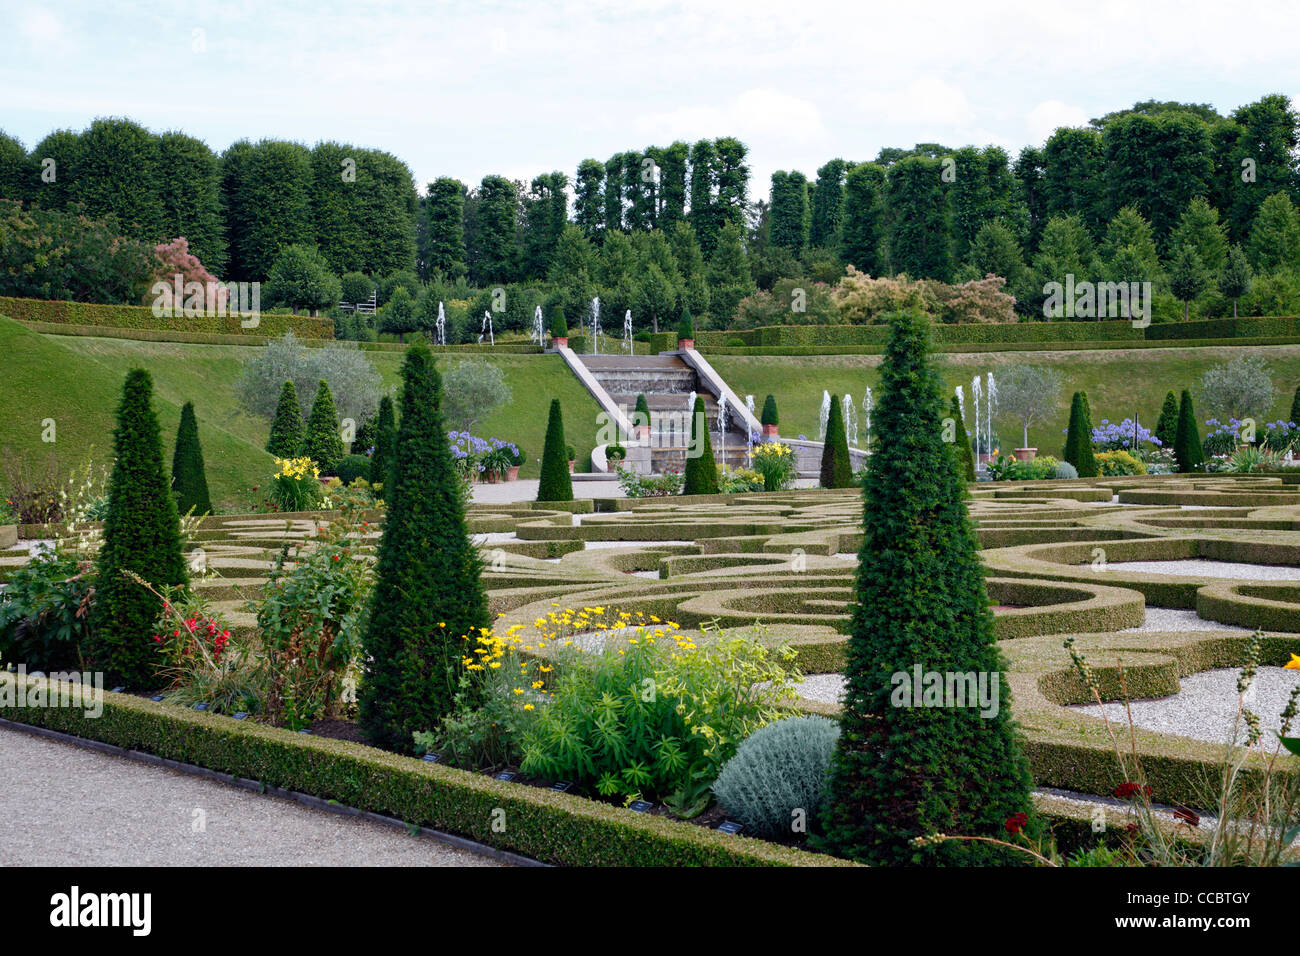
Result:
x=140 y=317
x=542 y=824
x=1243 y=327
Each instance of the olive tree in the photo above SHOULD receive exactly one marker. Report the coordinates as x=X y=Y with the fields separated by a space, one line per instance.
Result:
x=472 y=389
x=1028 y=393
x=352 y=380
x=1242 y=388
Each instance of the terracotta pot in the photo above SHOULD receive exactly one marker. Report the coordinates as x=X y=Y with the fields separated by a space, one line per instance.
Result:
x=642 y=432
x=1026 y=454
x=491 y=477
x=770 y=431
x=560 y=341
x=513 y=474
x=570 y=467
x=614 y=463
x=683 y=344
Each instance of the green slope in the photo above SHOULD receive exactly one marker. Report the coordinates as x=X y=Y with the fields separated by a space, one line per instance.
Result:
x=1118 y=382
x=207 y=375
x=45 y=379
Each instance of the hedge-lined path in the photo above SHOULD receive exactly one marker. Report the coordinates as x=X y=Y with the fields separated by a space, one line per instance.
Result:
x=61 y=805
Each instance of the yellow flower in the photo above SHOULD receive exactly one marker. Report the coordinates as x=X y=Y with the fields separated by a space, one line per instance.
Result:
x=1293 y=664
x=528 y=706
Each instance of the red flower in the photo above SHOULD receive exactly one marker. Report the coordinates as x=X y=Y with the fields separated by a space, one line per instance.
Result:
x=1016 y=822
x=1183 y=815
x=1126 y=790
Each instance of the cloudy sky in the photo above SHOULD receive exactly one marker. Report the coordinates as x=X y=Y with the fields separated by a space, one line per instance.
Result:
x=518 y=88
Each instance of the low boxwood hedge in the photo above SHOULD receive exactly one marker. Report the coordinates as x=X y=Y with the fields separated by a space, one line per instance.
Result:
x=539 y=823
x=142 y=318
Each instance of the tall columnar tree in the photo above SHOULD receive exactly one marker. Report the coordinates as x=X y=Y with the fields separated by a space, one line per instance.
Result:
x=1187 y=440
x=920 y=238
x=700 y=476
x=444 y=219
x=381 y=459
x=555 y=484
x=770 y=415
x=837 y=469
x=322 y=442
x=1078 y=438
x=141 y=535
x=961 y=442
x=1295 y=407
x=789 y=211
x=1234 y=281
x=286 y=427
x=428 y=592
x=1187 y=277
x=902 y=771
x=864 y=218
x=189 y=480
x=1167 y=423
x=642 y=414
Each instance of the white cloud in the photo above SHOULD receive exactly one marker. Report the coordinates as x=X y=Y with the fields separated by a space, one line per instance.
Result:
x=926 y=101
x=755 y=113
x=1047 y=117
x=41 y=26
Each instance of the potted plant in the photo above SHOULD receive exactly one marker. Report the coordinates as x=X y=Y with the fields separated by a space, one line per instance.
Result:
x=516 y=460
x=559 y=328
x=770 y=418
x=573 y=454
x=614 y=454
x=686 y=331
x=498 y=462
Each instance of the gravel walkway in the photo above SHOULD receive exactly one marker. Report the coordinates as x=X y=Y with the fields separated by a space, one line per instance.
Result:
x=61 y=805
x=1196 y=568
x=1206 y=705
x=1179 y=621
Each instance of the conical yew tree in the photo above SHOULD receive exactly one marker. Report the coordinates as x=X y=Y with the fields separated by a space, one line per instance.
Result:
x=189 y=480
x=141 y=535
x=427 y=589
x=837 y=469
x=555 y=483
x=1188 y=452
x=381 y=458
x=910 y=764
x=1078 y=438
x=286 y=427
x=1167 y=423
x=700 y=476
x=322 y=442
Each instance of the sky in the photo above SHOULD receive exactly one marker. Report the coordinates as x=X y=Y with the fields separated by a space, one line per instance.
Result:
x=465 y=89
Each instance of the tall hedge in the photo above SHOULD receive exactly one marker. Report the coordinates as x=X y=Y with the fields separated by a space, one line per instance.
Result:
x=1078 y=438
x=555 y=484
x=381 y=459
x=322 y=441
x=189 y=480
x=1167 y=423
x=1187 y=441
x=902 y=771
x=837 y=469
x=286 y=427
x=142 y=535
x=428 y=593
x=686 y=325
x=962 y=448
x=770 y=415
x=1295 y=407
x=700 y=477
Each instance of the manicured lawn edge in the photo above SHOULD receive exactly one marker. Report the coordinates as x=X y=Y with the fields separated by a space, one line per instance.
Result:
x=541 y=824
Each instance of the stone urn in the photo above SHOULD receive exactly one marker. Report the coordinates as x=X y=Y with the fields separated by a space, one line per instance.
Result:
x=1026 y=454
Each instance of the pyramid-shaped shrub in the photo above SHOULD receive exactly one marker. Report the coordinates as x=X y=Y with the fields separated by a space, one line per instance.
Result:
x=837 y=469
x=555 y=483
x=700 y=476
x=322 y=442
x=961 y=443
x=286 y=427
x=189 y=480
x=1187 y=440
x=1078 y=438
x=901 y=771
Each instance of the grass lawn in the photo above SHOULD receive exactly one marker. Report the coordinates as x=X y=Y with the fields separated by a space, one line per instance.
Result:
x=77 y=381
x=1118 y=382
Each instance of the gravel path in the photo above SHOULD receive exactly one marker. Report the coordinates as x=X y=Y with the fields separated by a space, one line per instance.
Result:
x=61 y=805
x=525 y=489
x=1179 y=621
x=1194 y=567
x=1206 y=705
x=825 y=688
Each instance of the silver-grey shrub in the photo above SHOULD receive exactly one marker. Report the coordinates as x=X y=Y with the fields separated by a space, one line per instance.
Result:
x=1065 y=470
x=1242 y=388
x=777 y=770
x=353 y=381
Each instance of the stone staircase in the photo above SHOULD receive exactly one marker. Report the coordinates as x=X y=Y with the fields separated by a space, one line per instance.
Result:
x=667 y=381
